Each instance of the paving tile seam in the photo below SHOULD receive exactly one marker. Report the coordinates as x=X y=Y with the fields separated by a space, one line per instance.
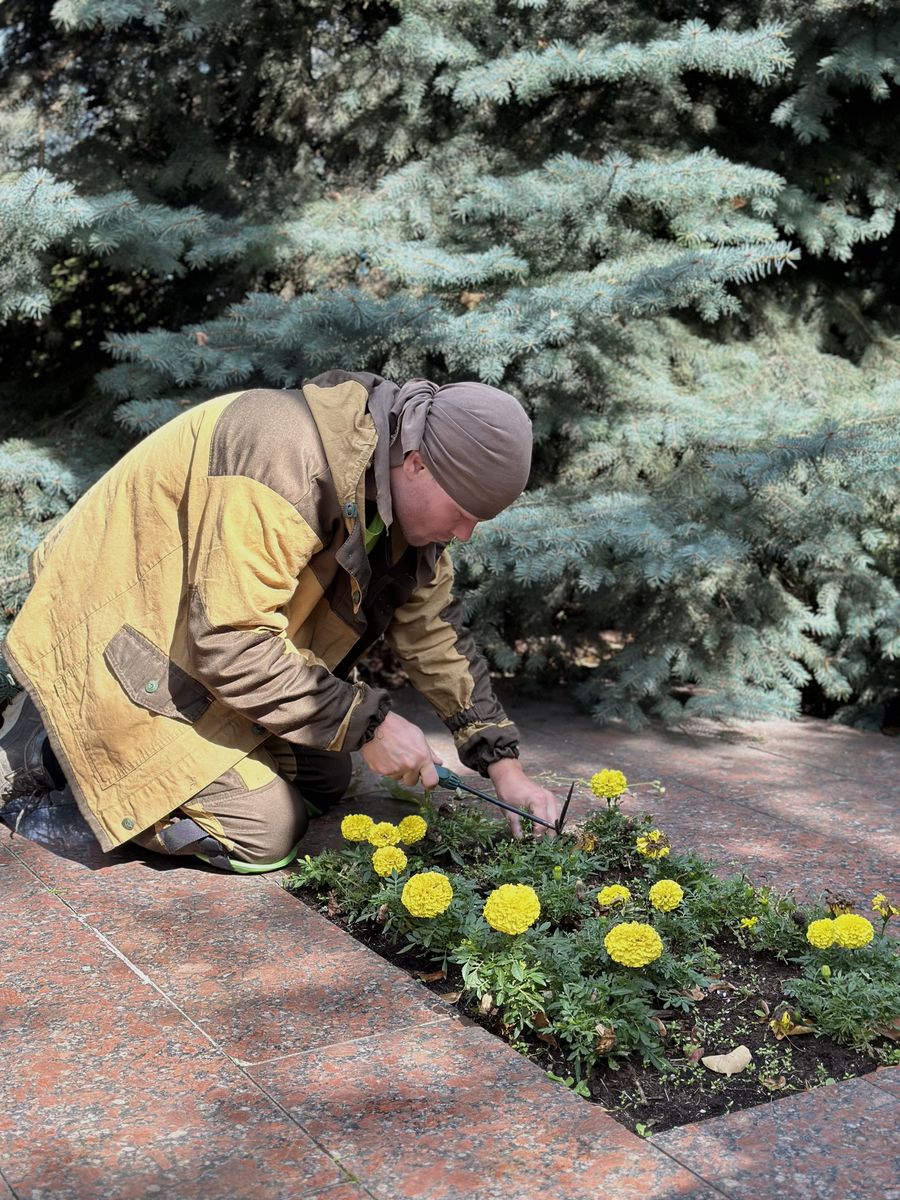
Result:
x=368 y=1037
x=114 y=950
x=12 y=1190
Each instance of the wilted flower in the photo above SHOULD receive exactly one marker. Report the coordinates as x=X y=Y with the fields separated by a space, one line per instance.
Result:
x=606 y=785
x=383 y=834
x=852 y=932
x=654 y=844
x=633 y=944
x=820 y=933
x=427 y=894
x=412 y=829
x=666 y=895
x=512 y=908
x=616 y=893
x=388 y=859
x=356 y=827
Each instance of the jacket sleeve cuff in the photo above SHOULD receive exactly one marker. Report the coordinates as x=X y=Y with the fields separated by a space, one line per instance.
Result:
x=366 y=717
x=481 y=743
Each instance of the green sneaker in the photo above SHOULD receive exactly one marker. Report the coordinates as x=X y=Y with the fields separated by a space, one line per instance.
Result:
x=245 y=868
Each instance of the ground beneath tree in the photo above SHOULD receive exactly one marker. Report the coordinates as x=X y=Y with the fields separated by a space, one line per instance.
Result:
x=734 y=1011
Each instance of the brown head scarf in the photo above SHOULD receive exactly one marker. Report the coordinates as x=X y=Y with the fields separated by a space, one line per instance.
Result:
x=474 y=439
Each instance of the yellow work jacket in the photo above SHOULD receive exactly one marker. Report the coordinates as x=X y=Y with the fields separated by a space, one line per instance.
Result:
x=213 y=589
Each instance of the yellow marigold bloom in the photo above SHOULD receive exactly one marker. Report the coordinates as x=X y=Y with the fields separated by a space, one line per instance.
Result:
x=383 y=834
x=749 y=922
x=606 y=785
x=633 y=944
x=654 y=844
x=388 y=859
x=427 y=894
x=883 y=906
x=820 y=933
x=512 y=908
x=356 y=827
x=666 y=895
x=616 y=893
x=412 y=830
x=852 y=932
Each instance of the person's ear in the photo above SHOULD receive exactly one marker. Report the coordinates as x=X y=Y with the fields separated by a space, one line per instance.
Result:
x=413 y=464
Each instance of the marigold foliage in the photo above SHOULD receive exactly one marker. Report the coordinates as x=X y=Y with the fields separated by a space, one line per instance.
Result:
x=388 y=859
x=666 y=895
x=383 y=834
x=615 y=893
x=427 y=894
x=633 y=944
x=852 y=932
x=606 y=785
x=512 y=908
x=820 y=933
x=654 y=844
x=356 y=827
x=412 y=830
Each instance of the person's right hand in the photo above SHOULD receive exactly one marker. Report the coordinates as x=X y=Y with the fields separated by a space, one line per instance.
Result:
x=400 y=751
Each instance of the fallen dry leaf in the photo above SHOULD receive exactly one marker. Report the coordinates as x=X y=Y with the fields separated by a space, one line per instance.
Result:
x=722 y=986
x=696 y=1053
x=784 y=1026
x=774 y=1085
x=430 y=976
x=891 y=1030
x=449 y=997
x=548 y=1039
x=540 y=1020
x=729 y=1064
x=382 y=915
x=660 y=1027
x=695 y=993
x=487 y=1002
x=606 y=1038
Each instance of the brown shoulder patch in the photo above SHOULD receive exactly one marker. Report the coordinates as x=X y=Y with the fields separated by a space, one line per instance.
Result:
x=269 y=435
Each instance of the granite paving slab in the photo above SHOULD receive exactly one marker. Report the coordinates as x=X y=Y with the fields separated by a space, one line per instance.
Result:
x=233 y=954
x=108 y=1090
x=449 y=1113
x=834 y=1143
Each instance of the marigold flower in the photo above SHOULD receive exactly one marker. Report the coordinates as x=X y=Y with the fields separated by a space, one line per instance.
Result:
x=665 y=895
x=616 y=893
x=654 y=844
x=883 y=906
x=606 y=785
x=512 y=908
x=412 y=830
x=383 y=834
x=633 y=944
x=388 y=859
x=852 y=932
x=356 y=827
x=427 y=894
x=749 y=922
x=820 y=933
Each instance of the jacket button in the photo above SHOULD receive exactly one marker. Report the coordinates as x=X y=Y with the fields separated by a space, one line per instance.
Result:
x=356 y=596
x=350 y=509
x=259 y=729
x=152 y=685
x=127 y=823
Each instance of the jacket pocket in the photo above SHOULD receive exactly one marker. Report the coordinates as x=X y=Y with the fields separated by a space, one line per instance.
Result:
x=151 y=680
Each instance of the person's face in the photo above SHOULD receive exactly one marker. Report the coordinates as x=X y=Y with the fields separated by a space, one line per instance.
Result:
x=423 y=509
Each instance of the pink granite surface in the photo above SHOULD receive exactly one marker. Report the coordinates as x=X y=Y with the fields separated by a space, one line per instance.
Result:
x=166 y=1030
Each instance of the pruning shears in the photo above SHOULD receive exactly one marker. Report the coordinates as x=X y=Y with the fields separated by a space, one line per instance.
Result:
x=448 y=779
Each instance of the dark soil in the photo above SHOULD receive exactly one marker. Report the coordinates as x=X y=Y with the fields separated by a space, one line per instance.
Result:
x=735 y=1011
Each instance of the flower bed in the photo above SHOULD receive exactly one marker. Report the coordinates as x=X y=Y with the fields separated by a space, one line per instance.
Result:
x=623 y=965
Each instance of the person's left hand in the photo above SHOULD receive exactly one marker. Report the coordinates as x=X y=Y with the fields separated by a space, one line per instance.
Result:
x=513 y=786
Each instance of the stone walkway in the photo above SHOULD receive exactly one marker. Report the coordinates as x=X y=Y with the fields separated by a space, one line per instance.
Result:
x=171 y=1031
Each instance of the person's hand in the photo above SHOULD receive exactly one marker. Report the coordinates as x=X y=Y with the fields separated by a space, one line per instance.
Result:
x=513 y=786
x=399 y=751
